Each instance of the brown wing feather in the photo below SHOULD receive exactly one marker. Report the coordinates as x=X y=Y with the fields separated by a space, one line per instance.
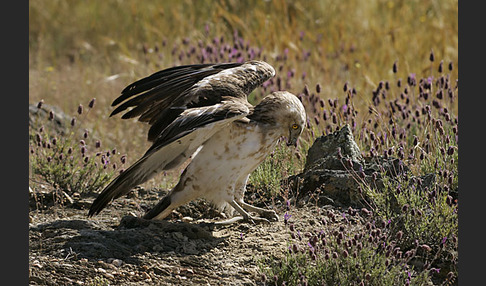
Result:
x=161 y=97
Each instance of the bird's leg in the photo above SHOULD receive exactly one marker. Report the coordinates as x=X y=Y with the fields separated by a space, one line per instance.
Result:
x=245 y=216
x=268 y=214
x=229 y=221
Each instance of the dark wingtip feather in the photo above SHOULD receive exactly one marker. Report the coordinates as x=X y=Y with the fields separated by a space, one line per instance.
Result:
x=117 y=110
x=120 y=186
x=97 y=206
x=157 y=209
x=155 y=79
x=124 y=95
x=104 y=198
x=102 y=201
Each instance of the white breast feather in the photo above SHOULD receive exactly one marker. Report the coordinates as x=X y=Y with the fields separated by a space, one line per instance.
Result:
x=225 y=161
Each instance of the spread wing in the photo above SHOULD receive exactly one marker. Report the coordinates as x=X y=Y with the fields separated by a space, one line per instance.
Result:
x=161 y=97
x=183 y=118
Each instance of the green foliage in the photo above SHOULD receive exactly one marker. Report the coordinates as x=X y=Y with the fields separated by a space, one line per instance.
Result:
x=72 y=162
x=345 y=253
x=281 y=163
x=98 y=281
x=425 y=215
x=71 y=172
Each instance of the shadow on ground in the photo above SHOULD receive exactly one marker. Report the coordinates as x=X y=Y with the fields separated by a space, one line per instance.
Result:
x=87 y=239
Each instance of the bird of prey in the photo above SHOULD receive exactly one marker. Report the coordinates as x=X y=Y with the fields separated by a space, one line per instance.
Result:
x=201 y=113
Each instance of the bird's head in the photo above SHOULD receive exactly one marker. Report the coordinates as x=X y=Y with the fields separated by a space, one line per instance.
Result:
x=284 y=111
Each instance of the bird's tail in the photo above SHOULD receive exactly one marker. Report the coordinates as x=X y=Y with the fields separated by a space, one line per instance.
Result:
x=120 y=186
x=159 y=208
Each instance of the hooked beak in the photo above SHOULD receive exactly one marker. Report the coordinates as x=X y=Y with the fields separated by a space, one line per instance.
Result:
x=292 y=142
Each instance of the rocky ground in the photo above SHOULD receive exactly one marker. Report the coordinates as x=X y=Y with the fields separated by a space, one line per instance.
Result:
x=117 y=248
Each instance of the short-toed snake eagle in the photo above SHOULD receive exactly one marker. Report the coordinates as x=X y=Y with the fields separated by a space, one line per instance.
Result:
x=201 y=112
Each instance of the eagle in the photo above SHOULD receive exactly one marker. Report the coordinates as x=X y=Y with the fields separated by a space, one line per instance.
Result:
x=201 y=113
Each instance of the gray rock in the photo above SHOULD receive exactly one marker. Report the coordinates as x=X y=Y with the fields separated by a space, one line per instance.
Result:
x=331 y=151
x=338 y=187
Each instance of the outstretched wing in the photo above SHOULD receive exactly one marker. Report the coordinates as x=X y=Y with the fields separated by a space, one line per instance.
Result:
x=174 y=146
x=161 y=97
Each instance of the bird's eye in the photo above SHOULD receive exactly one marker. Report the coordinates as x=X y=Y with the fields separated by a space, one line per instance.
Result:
x=295 y=126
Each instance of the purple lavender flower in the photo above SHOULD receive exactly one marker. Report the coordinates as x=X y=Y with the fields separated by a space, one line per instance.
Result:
x=91 y=103
x=286 y=217
x=310 y=246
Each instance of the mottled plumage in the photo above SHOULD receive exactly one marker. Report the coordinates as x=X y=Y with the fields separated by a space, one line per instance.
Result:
x=201 y=112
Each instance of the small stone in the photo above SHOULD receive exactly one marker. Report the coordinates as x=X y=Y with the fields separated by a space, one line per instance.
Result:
x=187 y=219
x=37 y=264
x=109 y=275
x=117 y=262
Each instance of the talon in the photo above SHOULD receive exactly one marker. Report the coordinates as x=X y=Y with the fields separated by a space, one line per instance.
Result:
x=254 y=220
x=271 y=215
x=230 y=221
